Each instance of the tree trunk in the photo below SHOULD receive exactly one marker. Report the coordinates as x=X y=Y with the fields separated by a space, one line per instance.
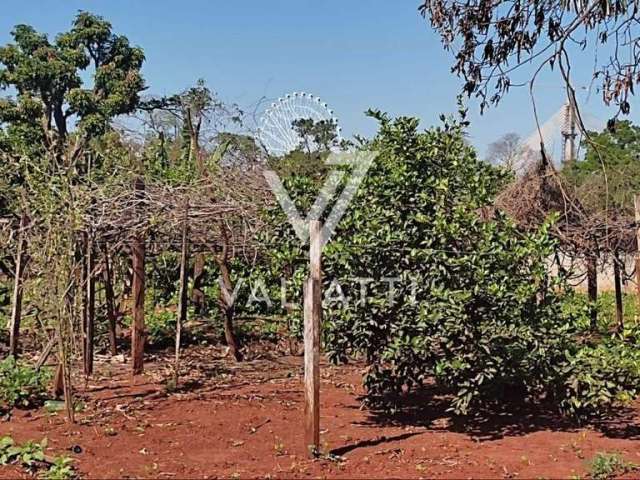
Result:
x=618 y=288
x=137 y=326
x=226 y=300
x=592 y=289
x=16 y=307
x=197 y=294
x=110 y=302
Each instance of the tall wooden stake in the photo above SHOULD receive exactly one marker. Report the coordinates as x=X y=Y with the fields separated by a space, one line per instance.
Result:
x=110 y=300
x=636 y=201
x=617 y=281
x=16 y=308
x=137 y=290
x=183 y=297
x=592 y=289
x=312 y=322
x=90 y=307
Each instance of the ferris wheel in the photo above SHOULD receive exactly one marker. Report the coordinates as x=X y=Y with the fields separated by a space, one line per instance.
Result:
x=276 y=131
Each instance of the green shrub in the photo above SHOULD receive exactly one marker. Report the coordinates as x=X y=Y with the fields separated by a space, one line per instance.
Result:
x=31 y=456
x=26 y=454
x=60 y=469
x=21 y=385
x=599 y=377
x=608 y=465
x=161 y=327
x=475 y=306
x=607 y=309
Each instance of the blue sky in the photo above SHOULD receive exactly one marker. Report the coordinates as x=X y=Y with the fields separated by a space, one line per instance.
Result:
x=355 y=54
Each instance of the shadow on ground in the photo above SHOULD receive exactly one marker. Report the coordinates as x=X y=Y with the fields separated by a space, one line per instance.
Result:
x=428 y=408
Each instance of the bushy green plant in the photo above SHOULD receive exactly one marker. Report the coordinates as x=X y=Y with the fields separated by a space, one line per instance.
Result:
x=474 y=306
x=21 y=385
x=607 y=309
x=60 y=469
x=160 y=326
x=608 y=465
x=31 y=454
x=598 y=377
x=26 y=454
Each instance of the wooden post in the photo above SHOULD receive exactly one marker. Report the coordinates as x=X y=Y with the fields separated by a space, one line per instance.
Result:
x=592 y=289
x=137 y=326
x=90 y=308
x=16 y=307
x=636 y=201
x=110 y=301
x=312 y=322
x=58 y=381
x=183 y=297
x=63 y=375
x=618 y=289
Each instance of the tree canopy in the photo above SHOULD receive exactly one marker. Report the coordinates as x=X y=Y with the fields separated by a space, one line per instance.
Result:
x=495 y=41
x=51 y=98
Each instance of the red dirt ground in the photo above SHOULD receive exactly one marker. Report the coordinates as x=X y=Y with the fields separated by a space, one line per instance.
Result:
x=244 y=421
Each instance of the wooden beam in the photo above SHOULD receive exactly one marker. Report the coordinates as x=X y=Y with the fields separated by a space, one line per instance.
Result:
x=312 y=323
x=46 y=352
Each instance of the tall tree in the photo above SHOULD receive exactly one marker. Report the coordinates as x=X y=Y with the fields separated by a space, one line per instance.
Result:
x=51 y=98
x=494 y=42
x=505 y=150
x=60 y=96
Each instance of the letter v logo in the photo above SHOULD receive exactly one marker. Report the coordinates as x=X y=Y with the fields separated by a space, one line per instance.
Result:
x=359 y=161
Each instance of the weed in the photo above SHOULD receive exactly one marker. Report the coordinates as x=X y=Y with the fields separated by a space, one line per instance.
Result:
x=26 y=454
x=31 y=456
x=279 y=448
x=607 y=465
x=21 y=385
x=60 y=469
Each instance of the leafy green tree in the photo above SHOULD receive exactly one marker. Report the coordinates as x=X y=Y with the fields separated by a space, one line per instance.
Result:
x=320 y=135
x=609 y=174
x=458 y=297
x=191 y=114
x=51 y=98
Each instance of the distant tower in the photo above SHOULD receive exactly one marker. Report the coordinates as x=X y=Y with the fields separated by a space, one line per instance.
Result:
x=568 y=134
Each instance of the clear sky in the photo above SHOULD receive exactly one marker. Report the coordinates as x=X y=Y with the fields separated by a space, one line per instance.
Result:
x=355 y=54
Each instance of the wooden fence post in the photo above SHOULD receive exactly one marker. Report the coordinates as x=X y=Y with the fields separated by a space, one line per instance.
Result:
x=183 y=297
x=592 y=289
x=137 y=326
x=16 y=306
x=110 y=301
x=617 y=281
x=636 y=201
x=90 y=309
x=312 y=322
